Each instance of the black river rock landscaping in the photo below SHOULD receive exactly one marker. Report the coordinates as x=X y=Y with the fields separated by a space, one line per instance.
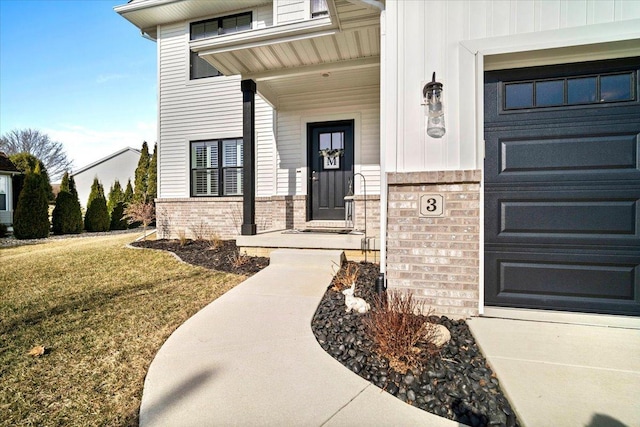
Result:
x=457 y=383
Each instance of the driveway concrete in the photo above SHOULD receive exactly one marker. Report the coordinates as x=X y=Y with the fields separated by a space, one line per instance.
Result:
x=559 y=374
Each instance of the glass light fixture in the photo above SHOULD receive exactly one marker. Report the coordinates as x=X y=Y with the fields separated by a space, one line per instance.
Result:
x=433 y=110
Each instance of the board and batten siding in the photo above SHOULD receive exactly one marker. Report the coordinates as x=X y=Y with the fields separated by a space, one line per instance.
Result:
x=201 y=109
x=415 y=50
x=296 y=110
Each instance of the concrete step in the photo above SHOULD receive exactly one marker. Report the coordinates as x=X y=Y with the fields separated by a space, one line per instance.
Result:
x=307 y=257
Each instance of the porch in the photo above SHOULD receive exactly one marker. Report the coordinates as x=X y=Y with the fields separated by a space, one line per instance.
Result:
x=354 y=243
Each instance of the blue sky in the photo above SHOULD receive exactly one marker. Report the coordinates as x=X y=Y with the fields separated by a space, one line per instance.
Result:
x=79 y=72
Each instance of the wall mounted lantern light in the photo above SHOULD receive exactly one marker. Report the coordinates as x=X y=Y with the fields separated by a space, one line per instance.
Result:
x=432 y=97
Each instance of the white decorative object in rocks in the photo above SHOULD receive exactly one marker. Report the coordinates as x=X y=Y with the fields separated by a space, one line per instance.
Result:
x=354 y=303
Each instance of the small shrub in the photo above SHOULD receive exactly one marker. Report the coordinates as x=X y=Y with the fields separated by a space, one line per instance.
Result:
x=182 y=238
x=215 y=241
x=199 y=230
x=3 y=230
x=396 y=327
x=346 y=277
x=238 y=259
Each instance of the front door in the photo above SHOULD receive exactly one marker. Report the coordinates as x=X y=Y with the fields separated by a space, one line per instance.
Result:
x=330 y=168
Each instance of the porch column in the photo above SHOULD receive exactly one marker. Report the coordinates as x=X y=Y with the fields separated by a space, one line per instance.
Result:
x=249 y=159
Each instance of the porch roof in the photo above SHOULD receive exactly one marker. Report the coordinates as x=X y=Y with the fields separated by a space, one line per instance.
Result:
x=328 y=53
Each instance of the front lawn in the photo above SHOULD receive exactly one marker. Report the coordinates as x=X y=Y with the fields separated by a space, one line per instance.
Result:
x=101 y=311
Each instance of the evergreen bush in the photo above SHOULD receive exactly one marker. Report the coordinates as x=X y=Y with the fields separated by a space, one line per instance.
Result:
x=116 y=207
x=77 y=209
x=31 y=218
x=97 y=216
x=67 y=216
x=152 y=181
x=140 y=188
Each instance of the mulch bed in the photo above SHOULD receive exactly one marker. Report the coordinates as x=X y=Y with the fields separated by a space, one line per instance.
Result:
x=202 y=253
x=457 y=383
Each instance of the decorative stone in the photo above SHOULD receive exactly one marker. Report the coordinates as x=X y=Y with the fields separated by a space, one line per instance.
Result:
x=441 y=335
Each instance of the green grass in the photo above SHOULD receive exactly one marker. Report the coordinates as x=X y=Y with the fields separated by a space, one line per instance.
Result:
x=102 y=311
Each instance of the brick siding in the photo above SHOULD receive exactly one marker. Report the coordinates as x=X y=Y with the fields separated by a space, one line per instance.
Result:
x=437 y=258
x=208 y=216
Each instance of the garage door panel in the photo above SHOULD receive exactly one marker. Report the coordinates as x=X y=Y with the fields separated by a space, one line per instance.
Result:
x=588 y=216
x=547 y=154
x=564 y=280
x=562 y=187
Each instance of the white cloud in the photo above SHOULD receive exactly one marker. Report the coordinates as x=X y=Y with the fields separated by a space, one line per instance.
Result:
x=85 y=146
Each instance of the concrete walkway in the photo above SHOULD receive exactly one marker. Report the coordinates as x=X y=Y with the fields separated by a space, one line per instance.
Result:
x=250 y=358
x=558 y=374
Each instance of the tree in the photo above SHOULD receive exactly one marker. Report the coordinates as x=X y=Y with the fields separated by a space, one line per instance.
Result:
x=31 y=218
x=140 y=212
x=140 y=187
x=39 y=144
x=67 y=216
x=128 y=193
x=26 y=163
x=77 y=209
x=97 y=216
x=152 y=184
x=116 y=206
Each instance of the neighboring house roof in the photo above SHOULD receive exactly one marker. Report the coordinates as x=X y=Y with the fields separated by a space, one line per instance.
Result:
x=109 y=157
x=7 y=165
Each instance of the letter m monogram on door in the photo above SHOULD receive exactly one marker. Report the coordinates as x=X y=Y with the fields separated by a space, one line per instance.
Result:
x=332 y=162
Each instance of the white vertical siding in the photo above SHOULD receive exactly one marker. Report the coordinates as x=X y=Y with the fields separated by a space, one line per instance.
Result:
x=198 y=109
x=419 y=49
x=295 y=110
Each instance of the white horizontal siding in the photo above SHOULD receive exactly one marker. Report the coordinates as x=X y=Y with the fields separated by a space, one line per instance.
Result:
x=201 y=109
x=264 y=16
x=294 y=112
x=290 y=10
x=415 y=50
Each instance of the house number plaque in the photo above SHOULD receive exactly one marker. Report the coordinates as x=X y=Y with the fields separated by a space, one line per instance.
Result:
x=431 y=205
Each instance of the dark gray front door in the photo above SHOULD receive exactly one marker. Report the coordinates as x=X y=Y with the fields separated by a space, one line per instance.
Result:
x=562 y=187
x=329 y=175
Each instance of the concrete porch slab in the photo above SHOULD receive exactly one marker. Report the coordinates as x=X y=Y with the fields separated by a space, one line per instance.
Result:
x=564 y=374
x=305 y=240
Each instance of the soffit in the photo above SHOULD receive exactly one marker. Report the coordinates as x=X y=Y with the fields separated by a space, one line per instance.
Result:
x=337 y=80
x=300 y=51
x=147 y=14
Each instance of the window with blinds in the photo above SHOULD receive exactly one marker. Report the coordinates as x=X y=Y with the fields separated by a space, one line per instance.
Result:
x=216 y=167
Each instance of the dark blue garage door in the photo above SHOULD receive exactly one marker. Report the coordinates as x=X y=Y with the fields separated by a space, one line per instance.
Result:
x=562 y=187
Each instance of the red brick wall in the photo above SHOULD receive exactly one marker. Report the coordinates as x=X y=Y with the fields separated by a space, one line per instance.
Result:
x=437 y=258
